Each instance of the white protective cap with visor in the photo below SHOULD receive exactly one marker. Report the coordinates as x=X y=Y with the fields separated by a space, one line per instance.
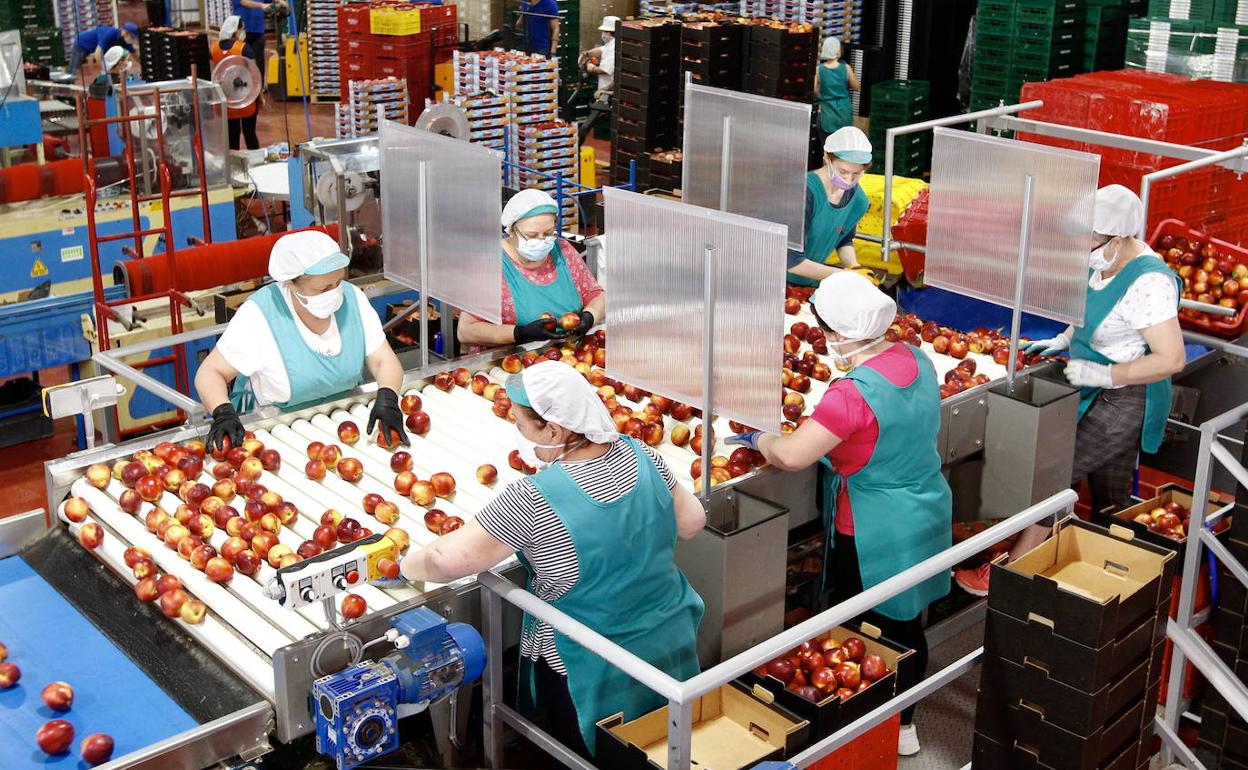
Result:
x=849 y=144
x=307 y=252
x=608 y=24
x=229 y=28
x=1117 y=212
x=852 y=306
x=559 y=394
x=527 y=203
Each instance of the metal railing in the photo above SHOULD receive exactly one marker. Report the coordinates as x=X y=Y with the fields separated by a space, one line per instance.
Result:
x=682 y=696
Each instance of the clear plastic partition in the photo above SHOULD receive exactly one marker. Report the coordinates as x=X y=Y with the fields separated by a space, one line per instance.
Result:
x=440 y=198
x=12 y=76
x=177 y=107
x=763 y=144
x=657 y=313
x=975 y=221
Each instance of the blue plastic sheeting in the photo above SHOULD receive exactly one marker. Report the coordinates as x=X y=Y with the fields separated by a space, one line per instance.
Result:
x=50 y=641
x=954 y=310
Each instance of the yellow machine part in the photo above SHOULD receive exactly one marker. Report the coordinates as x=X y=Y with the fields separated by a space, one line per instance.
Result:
x=589 y=167
x=295 y=85
x=905 y=190
x=444 y=77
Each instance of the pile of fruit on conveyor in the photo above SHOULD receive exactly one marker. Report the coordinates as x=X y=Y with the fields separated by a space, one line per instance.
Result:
x=202 y=532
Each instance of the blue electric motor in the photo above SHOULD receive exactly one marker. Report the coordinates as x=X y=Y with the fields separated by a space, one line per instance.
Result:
x=357 y=709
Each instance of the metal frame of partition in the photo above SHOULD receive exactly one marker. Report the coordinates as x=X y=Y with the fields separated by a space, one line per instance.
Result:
x=1188 y=645
x=682 y=696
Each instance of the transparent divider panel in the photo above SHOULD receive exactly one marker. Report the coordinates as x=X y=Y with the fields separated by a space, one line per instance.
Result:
x=656 y=312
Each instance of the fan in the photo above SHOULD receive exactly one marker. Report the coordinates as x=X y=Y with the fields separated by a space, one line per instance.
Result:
x=446 y=119
x=239 y=79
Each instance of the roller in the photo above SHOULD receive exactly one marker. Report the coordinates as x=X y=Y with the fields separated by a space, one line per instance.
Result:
x=202 y=267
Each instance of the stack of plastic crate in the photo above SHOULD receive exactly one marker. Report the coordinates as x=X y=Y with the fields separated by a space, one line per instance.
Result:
x=323 y=53
x=1024 y=41
x=367 y=102
x=567 y=53
x=41 y=40
x=781 y=60
x=1105 y=35
x=647 y=94
x=898 y=103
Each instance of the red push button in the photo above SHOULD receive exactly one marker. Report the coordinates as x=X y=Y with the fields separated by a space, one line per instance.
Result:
x=353 y=577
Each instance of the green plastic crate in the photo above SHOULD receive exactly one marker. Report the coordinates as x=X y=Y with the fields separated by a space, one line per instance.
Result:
x=1000 y=45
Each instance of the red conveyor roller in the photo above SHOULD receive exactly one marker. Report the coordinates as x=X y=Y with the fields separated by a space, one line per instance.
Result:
x=202 y=267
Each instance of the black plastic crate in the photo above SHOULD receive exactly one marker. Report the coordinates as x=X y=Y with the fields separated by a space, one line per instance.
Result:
x=21 y=412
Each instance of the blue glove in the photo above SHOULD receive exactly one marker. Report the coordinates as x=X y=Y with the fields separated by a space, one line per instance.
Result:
x=1049 y=347
x=749 y=440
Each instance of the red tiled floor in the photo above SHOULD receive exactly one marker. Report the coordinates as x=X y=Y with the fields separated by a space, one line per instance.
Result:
x=22 y=485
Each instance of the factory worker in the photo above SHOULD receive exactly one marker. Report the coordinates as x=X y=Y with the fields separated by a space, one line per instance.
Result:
x=888 y=506
x=93 y=42
x=834 y=79
x=834 y=204
x=302 y=339
x=542 y=273
x=231 y=41
x=595 y=528
x=541 y=26
x=252 y=13
x=1121 y=359
x=600 y=61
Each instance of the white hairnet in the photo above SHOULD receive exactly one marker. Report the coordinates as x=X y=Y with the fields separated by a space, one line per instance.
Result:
x=306 y=252
x=229 y=28
x=853 y=307
x=527 y=203
x=559 y=394
x=831 y=48
x=850 y=144
x=114 y=55
x=1118 y=212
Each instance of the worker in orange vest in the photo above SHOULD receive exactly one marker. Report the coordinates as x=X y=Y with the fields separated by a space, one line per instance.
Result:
x=232 y=42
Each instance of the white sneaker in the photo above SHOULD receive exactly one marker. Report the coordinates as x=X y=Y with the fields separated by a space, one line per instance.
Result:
x=908 y=741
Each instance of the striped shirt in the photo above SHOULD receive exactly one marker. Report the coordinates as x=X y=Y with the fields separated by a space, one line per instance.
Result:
x=522 y=519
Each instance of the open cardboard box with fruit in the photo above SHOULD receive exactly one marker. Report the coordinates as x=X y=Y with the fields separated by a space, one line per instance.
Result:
x=732 y=729
x=835 y=678
x=1094 y=584
x=1164 y=519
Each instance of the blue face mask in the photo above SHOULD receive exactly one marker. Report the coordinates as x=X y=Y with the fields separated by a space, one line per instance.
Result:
x=534 y=249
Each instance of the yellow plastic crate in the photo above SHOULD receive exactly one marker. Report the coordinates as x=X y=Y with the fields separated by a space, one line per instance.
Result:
x=905 y=190
x=391 y=21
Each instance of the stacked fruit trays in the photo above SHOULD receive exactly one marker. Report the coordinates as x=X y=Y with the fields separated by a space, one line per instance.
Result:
x=1072 y=655
x=898 y=103
x=547 y=151
x=324 y=20
x=383 y=40
x=367 y=102
x=833 y=18
x=1022 y=41
x=647 y=92
x=664 y=170
x=782 y=60
x=712 y=52
x=487 y=119
x=1168 y=108
x=74 y=16
x=169 y=54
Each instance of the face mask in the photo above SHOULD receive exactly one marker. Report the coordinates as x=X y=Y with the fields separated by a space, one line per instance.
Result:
x=534 y=249
x=322 y=305
x=606 y=38
x=528 y=452
x=839 y=183
x=841 y=358
x=1097 y=260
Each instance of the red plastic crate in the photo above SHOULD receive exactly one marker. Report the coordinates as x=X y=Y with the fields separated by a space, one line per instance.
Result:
x=353 y=19
x=1217 y=326
x=355 y=68
x=405 y=47
x=876 y=749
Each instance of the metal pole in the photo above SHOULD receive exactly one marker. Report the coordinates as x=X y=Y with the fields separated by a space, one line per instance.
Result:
x=1020 y=282
x=886 y=236
x=725 y=164
x=492 y=682
x=708 y=373
x=422 y=212
x=679 y=734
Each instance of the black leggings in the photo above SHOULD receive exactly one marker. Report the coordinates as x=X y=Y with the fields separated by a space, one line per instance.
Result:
x=556 y=713
x=909 y=633
x=247 y=127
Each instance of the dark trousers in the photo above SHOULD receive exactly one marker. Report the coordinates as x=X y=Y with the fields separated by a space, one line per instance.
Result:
x=1107 y=442
x=909 y=633
x=556 y=713
x=246 y=127
x=255 y=49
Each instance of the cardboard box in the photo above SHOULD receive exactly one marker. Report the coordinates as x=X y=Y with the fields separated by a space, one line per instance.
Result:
x=1167 y=493
x=1019 y=738
x=732 y=729
x=1004 y=685
x=1093 y=584
x=831 y=714
x=1084 y=668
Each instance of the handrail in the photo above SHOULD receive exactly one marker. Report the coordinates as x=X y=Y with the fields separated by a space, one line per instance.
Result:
x=681 y=695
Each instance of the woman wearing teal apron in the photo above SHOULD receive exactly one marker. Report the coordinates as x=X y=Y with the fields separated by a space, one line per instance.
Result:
x=1122 y=359
x=542 y=274
x=886 y=505
x=303 y=339
x=833 y=81
x=595 y=528
x=834 y=204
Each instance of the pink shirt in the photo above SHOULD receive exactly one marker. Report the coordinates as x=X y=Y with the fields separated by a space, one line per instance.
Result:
x=544 y=275
x=844 y=412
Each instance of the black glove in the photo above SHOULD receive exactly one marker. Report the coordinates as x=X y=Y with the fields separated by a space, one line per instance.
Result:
x=587 y=323
x=535 y=331
x=386 y=411
x=225 y=424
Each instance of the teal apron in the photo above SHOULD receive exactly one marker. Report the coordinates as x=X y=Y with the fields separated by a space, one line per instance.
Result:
x=902 y=506
x=835 y=110
x=630 y=591
x=828 y=224
x=1099 y=305
x=558 y=297
x=313 y=377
